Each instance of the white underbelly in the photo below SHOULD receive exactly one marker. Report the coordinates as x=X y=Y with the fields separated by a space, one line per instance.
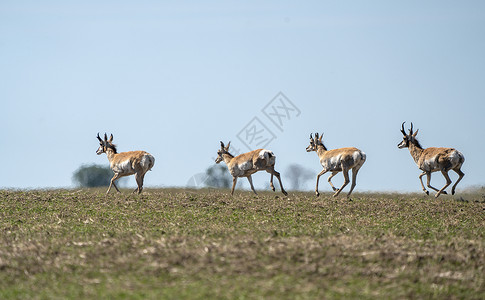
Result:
x=331 y=164
x=124 y=167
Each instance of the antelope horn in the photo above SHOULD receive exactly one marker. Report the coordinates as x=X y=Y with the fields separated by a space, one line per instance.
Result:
x=411 y=130
x=105 y=137
x=222 y=145
x=99 y=138
x=402 y=128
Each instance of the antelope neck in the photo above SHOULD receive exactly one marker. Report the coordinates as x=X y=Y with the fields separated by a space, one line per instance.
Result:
x=321 y=149
x=227 y=157
x=110 y=154
x=415 y=151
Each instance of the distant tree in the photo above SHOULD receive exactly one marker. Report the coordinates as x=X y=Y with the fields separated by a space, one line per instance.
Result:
x=298 y=176
x=92 y=176
x=218 y=177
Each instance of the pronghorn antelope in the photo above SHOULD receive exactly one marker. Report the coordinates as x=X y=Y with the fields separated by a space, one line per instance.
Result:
x=337 y=160
x=433 y=159
x=125 y=163
x=246 y=164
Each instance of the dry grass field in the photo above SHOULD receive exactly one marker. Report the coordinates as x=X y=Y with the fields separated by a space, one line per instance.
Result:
x=205 y=244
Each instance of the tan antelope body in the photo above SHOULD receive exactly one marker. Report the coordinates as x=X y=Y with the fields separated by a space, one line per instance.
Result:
x=246 y=164
x=433 y=159
x=335 y=161
x=125 y=163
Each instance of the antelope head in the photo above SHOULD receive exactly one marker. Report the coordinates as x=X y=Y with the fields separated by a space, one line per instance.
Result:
x=314 y=142
x=105 y=144
x=222 y=151
x=408 y=138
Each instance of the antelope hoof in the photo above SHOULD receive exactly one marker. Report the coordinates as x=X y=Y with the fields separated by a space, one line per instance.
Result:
x=334 y=189
x=453 y=192
x=437 y=195
x=273 y=189
x=444 y=193
x=284 y=192
x=317 y=193
x=336 y=193
x=427 y=192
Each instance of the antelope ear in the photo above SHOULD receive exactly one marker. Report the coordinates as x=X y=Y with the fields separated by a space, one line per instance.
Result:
x=105 y=137
x=222 y=145
x=311 y=137
x=227 y=147
x=110 y=139
x=321 y=136
x=414 y=134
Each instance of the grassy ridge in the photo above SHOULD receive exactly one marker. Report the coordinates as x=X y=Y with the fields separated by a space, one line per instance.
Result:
x=206 y=244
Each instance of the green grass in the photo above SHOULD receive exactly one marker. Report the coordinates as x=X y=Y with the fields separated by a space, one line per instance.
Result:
x=174 y=243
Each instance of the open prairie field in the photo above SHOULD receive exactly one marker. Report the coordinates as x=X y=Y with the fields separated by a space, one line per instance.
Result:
x=176 y=244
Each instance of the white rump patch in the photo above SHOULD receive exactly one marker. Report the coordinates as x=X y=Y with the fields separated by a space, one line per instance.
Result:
x=268 y=155
x=265 y=153
x=356 y=156
x=147 y=162
x=456 y=158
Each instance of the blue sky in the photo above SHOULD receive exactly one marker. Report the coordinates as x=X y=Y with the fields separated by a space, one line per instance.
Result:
x=176 y=77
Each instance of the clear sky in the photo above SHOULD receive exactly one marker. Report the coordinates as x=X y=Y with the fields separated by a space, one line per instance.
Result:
x=176 y=77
